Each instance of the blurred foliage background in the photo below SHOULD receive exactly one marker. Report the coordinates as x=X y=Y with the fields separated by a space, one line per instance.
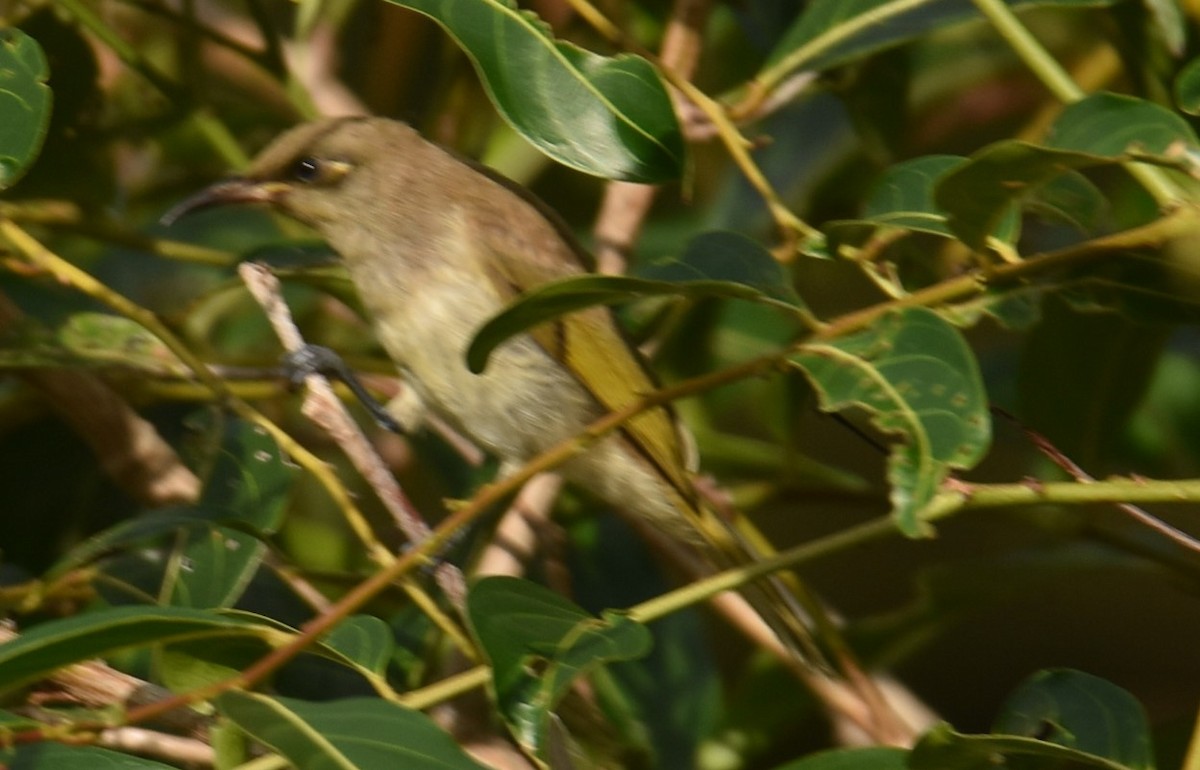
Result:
x=915 y=154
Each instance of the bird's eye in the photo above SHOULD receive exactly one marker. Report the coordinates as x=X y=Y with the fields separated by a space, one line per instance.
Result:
x=307 y=169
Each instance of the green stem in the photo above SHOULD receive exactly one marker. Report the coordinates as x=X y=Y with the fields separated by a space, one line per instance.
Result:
x=1035 y=56
x=1117 y=490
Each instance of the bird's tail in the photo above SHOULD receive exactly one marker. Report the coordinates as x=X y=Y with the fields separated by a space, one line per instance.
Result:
x=770 y=597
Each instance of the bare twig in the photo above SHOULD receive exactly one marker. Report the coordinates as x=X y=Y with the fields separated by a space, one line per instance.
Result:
x=1056 y=455
x=323 y=406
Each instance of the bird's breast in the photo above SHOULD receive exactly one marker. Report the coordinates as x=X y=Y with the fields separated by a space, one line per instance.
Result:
x=523 y=402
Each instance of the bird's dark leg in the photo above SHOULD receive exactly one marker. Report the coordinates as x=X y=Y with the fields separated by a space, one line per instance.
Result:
x=318 y=359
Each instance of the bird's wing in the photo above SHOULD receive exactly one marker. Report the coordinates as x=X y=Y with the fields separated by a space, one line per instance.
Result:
x=589 y=344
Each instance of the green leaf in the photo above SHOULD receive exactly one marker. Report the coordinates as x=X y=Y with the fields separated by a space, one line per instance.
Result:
x=608 y=116
x=1082 y=712
x=1187 y=88
x=56 y=756
x=213 y=568
x=979 y=194
x=24 y=103
x=354 y=733
x=538 y=643
x=904 y=197
x=1102 y=129
x=873 y=758
x=943 y=749
x=250 y=481
x=713 y=259
x=1169 y=25
x=104 y=338
x=920 y=382
x=714 y=264
x=1071 y=199
x=1118 y=126
x=57 y=643
x=364 y=639
x=125 y=533
x=832 y=32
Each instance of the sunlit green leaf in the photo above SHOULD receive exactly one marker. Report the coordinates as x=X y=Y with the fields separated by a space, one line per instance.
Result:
x=353 y=733
x=24 y=103
x=919 y=381
x=608 y=116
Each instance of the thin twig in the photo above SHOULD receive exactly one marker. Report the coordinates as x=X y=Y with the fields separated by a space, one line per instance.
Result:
x=1059 y=458
x=323 y=406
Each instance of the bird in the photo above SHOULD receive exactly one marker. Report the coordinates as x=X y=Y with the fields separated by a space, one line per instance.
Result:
x=436 y=244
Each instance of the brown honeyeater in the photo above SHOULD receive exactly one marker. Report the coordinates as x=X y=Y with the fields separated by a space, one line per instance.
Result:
x=436 y=245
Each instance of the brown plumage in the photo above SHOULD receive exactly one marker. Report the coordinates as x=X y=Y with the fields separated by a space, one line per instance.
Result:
x=437 y=245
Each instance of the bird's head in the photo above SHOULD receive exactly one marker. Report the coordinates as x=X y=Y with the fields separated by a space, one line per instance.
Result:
x=319 y=172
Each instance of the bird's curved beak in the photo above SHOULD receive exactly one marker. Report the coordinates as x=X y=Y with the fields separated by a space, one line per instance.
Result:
x=234 y=190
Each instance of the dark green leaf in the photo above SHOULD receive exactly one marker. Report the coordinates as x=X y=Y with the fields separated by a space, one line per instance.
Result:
x=723 y=257
x=213 y=568
x=56 y=756
x=50 y=645
x=1187 y=88
x=24 y=103
x=1117 y=126
x=362 y=733
x=250 y=480
x=716 y=264
x=1101 y=129
x=904 y=197
x=608 y=116
x=874 y=758
x=1071 y=199
x=538 y=643
x=126 y=533
x=943 y=749
x=1081 y=396
x=916 y=376
x=979 y=194
x=364 y=639
x=1082 y=712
